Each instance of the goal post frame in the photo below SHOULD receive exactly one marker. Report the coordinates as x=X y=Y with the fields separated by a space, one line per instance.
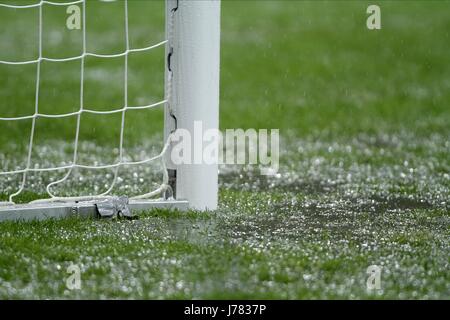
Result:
x=193 y=62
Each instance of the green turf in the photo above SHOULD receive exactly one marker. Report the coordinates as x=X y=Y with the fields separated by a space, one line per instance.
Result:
x=364 y=178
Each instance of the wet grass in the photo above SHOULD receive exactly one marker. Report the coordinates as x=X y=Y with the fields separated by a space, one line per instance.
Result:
x=257 y=245
x=364 y=175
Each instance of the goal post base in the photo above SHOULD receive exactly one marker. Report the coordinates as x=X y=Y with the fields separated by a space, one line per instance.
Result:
x=58 y=210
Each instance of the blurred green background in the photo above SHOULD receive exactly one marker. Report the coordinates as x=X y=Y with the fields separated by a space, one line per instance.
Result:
x=311 y=67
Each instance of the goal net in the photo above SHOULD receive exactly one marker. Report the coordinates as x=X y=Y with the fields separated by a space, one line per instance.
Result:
x=89 y=102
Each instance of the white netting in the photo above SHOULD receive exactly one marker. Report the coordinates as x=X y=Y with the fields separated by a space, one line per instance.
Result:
x=75 y=163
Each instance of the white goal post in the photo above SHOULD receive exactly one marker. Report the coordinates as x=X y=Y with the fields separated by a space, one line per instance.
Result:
x=192 y=49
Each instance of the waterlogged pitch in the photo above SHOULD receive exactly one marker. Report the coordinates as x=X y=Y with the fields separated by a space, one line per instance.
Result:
x=364 y=171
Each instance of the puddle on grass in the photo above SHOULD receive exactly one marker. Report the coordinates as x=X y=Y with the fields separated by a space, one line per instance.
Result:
x=383 y=171
x=334 y=186
x=377 y=172
x=341 y=190
x=370 y=191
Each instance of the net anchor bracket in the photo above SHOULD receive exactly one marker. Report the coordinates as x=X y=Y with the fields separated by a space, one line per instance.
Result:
x=114 y=207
